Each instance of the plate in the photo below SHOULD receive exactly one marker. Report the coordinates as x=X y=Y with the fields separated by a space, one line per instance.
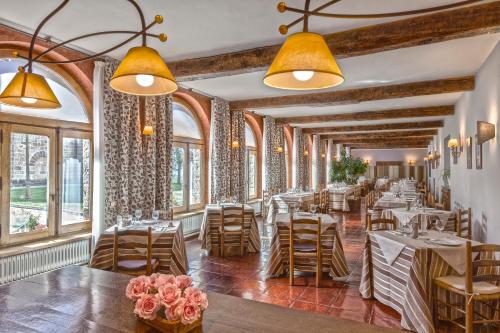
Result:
x=445 y=241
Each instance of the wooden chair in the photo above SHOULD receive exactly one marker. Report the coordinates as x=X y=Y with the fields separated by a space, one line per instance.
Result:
x=480 y=284
x=464 y=223
x=131 y=261
x=381 y=224
x=305 y=244
x=316 y=198
x=232 y=224
x=337 y=201
x=266 y=197
x=325 y=201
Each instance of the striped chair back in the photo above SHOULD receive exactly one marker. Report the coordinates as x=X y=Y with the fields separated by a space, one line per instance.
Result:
x=337 y=200
x=232 y=217
x=138 y=245
x=317 y=198
x=464 y=223
x=381 y=224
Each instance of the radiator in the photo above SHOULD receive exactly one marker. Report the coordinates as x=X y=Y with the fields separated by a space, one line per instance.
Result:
x=24 y=265
x=192 y=223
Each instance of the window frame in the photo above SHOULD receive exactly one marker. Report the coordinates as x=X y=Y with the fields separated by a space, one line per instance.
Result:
x=6 y=237
x=87 y=224
x=251 y=151
x=188 y=143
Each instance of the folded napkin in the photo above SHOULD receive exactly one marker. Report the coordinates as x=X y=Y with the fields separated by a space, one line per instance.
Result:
x=390 y=248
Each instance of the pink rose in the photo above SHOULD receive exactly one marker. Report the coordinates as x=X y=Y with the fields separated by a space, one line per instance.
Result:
x=163 y=279
x=171 y=312
x=137 y=287
x=187 y=311
x=184 y=281
x=194 y=295
x=169 y=294
x=147 y=306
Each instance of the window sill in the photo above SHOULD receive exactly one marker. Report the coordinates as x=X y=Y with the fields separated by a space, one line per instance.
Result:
x=10 y=250
x=184 y=215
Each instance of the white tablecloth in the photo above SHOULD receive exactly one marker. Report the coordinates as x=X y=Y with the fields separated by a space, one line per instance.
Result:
x=404 y=216
x=284 y=200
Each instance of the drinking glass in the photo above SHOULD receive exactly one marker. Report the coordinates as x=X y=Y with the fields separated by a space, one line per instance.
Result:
x=129 y=220
x=138 y=215
x=439 y=225
x=119 y=221
x=312 y=208
x=155 y=215
x=223 y=200
x=235 y=200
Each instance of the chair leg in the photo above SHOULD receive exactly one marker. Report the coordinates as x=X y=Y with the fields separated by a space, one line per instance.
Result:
x=222 y=245
x=318 y=273
x=469 y=315
x=435 y=314
x=291 y=269
x=241 y=245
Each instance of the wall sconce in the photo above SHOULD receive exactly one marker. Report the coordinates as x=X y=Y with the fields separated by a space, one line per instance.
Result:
x=148 y=130
x=235 y=144
x=411 y=162
x=323 y=155
x=455 y=148
x=368 y=162
x=485 y=132
x=279 y=149
x=306 y=153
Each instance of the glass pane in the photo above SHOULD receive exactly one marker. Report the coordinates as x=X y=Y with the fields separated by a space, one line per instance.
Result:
x=252 y=175
x=178 y=176
x=195 y=175
x=76 y=180
x=185 y=124
x=29 y=172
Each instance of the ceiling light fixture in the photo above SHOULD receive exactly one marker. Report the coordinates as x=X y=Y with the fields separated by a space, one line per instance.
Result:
x=305 y=62
x=142 y=72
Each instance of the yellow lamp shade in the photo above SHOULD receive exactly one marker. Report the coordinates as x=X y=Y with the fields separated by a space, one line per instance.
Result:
x=148 y=130
x=143 y=72
x=304 y=62
x=452 y=143
x=28 y=90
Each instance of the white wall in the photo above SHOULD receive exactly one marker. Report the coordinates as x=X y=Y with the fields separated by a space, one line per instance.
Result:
x=478 y=189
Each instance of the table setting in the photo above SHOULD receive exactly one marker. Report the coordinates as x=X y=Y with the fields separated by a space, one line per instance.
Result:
x=398 y=269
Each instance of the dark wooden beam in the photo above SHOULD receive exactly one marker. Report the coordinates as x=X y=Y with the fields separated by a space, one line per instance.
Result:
x=387 y=146
x=380 y=127
x=396 y=140
x=431 y=111
x=380 y=135
x=420 y=30
x=355 y=96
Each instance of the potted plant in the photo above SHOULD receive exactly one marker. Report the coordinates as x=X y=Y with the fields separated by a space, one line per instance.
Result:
x=347 y=169
x=166 y=302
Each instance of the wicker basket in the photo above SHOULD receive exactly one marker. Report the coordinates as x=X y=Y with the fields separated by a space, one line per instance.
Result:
x=167 y=326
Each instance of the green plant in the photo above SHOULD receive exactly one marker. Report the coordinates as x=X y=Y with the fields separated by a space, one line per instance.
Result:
x=347 y=169
x=32 y=222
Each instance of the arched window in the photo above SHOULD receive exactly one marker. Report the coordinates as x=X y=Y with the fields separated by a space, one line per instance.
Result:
x=251 y=162
x=48 y=168
x=187 y=160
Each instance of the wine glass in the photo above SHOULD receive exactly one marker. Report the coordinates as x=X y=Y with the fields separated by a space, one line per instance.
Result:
x=312 y=208
x=155 y=215
x=235 y=200
x=439 y=225
x=138 y=215
x=119 y=221
x=223 y=200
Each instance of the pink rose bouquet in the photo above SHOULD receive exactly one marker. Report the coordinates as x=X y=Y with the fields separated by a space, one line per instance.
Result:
x=166 y=295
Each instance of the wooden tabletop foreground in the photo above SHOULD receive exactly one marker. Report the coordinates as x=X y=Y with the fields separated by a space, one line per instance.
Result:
x=81 y=299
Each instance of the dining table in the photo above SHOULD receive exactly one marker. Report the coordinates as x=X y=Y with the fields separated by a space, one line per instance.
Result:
x=282 y=202
x=168 y=247
x=338 y=197
x=389 y=201
x=212 y=221
x=398 y=271
x=422 y=215
x=82 y=299
x=333 y=257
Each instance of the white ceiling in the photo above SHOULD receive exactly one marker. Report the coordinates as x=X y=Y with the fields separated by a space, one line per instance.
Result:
x=195 y=28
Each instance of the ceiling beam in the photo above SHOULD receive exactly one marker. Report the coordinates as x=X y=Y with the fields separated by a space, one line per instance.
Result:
x=395 y=140
x=354 y=96
x=379 y=127
x=380 y=135
x=387 y=146
x=431 y=111
x=420 y=30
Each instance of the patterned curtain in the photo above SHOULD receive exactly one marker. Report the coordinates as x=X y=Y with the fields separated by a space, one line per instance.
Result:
x=136 y=170
x=301 y=162
x=238 y=156
x=316 y=158
x=220 y=150
x=274 y=161
x=322 y=164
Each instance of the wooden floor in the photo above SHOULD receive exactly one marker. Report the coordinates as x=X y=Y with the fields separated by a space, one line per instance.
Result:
x=245 y=277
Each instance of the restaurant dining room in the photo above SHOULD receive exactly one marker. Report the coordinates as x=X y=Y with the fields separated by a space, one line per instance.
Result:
x=249 y=166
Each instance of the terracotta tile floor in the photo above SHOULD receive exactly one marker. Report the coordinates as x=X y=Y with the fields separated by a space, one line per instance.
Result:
x=245 y=277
